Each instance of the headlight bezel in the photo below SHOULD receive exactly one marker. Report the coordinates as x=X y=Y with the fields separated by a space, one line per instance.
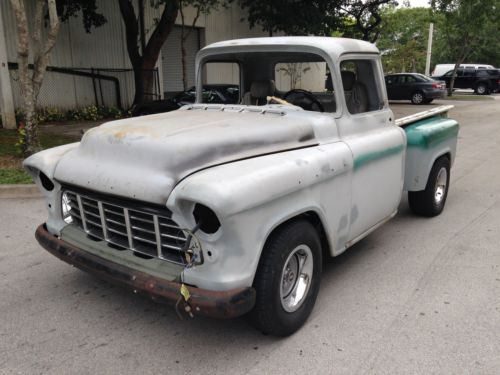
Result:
x=206 y=219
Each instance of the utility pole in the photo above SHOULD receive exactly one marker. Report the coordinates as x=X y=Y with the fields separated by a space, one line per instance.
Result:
x=6 y=98
x=429 y=50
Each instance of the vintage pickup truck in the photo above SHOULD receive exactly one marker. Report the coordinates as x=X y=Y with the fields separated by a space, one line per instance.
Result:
x=228 y=210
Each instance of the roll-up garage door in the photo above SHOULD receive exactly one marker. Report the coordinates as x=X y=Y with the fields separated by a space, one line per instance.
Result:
x=171 y=59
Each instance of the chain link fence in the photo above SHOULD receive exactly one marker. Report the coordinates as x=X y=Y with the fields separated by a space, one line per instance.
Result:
x=70 y=88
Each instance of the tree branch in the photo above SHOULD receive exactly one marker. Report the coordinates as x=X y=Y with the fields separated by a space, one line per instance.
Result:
x=22 y=49
x=37 y=29
x=131 y=31
x=160 y=33
x=42 y=56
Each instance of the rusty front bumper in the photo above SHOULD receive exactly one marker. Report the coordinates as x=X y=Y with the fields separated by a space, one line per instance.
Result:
x=224 y=305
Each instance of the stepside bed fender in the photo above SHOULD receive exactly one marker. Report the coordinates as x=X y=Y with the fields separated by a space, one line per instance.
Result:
x=427 y=140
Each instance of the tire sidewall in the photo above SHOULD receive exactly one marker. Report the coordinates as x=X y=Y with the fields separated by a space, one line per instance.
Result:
x=278 y=250
x=416 y=95
x=481 y=85
x=442 y=162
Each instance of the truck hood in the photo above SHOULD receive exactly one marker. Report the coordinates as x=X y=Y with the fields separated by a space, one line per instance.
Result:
x=144 y=158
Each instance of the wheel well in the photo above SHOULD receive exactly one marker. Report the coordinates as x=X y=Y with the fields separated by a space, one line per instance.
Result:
x=313 y=218
x=447 y=155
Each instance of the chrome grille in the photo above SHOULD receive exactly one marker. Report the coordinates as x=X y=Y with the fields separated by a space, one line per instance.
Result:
x=148 y=232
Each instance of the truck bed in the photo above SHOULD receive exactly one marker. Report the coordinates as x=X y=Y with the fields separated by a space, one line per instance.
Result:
x=429 y=135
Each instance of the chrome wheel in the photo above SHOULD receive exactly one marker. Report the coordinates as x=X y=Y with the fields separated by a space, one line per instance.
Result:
x=417 y=98
x=296 y=278
x=440 y=189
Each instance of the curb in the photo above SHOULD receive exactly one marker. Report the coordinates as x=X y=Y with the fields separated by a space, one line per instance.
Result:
x=20 y=191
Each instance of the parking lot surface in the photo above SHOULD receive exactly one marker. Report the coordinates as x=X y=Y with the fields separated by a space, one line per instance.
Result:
x=416 y=296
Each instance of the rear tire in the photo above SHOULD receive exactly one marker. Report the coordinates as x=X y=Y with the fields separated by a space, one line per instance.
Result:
x=284 y=300
x=418 y=97
x=430 y=202
x=481 y=89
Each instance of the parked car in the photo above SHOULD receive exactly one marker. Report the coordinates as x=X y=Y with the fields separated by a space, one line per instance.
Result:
x=416 y=87
x=482 y=81
x=441 y=69
x=227 y=210
x=217 y=93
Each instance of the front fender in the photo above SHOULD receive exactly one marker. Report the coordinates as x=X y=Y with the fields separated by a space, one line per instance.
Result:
x=46 y=162
x=252 y=197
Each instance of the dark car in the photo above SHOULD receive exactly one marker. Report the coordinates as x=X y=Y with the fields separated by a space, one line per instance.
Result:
x=217 y=93
x=416 y=87
x=482 y=81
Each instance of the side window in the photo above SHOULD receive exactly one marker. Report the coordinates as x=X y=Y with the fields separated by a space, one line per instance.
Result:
x=410 y=79
x=360 y=85
x=469 y=72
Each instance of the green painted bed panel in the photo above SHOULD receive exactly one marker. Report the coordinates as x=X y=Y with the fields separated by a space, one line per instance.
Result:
x=430 y=132
x=367 y=158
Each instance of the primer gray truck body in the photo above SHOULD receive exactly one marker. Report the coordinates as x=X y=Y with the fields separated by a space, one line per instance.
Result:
x=255 y=167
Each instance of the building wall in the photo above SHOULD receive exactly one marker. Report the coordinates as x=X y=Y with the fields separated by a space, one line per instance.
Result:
x=105 y=47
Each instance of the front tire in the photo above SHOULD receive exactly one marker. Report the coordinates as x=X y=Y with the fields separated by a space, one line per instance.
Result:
x=287 y=279
x=430 y=202
x=418 y=97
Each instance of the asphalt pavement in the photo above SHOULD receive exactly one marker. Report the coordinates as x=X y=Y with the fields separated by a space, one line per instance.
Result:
x=416 y=296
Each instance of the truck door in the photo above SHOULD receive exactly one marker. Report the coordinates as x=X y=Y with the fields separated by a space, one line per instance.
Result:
x=377 y=145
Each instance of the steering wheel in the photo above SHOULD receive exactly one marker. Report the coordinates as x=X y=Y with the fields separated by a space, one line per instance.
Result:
x=304 y=99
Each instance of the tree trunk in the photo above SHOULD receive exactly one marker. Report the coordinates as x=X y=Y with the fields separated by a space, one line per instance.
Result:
x=30 y=85
x=145 y=63
x=452 y=81
x=183 y=62
x=144 y=80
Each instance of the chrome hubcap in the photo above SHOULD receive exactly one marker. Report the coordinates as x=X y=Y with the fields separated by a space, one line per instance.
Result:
x=418 y=98
x=296 y=278
x=440 y=189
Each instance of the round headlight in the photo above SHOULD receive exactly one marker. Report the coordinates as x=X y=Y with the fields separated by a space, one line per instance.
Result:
x=66 y=208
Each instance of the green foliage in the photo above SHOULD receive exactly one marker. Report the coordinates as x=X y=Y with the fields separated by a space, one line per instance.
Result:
x=353 y=18
x=21 y=141
x=87 y=113
x=88 y=8
x=94 y=113
x=9 y=138
x=49 y=114
x=403 y=39
x=14 y=176
x=468 y=30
